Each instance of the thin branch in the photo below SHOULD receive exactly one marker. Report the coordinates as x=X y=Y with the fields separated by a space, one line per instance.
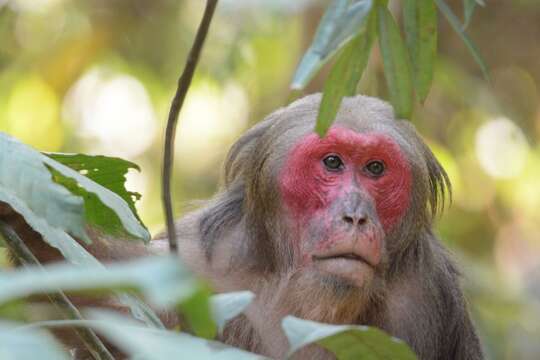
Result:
x=19 y=249
x=183 y=86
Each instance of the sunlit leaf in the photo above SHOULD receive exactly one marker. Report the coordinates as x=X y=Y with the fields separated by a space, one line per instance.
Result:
x=27 y=185
x=454 y=22
x=420 y=21
x=345 y=341
x=28 y=344
x=108 y=172
x=150 y=344
x=345 y=75
x=341 y=22
x=228 y=305
x=396 y=63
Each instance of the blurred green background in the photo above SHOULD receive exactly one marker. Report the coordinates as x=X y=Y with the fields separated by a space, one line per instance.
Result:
x=98 y=76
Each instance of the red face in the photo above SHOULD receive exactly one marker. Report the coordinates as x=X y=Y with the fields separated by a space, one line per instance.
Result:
x=343 y=193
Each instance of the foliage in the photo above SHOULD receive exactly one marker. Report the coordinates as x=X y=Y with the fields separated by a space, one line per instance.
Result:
x=344 y=25
x=84 y=79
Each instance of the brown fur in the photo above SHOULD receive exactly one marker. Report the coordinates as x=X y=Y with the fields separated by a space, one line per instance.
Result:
x=238 y=241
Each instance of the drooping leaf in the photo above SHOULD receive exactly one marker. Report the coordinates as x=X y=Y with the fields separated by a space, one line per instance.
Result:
x=108 y=172
x=27 y=186
x=28 y=344
x=468 y=9
x=347 y=342
x=345 y=75
x=228 y=305
x=420 y=21
x=150 y=344
x=343 y=20
x=454 y=22
x=397 y=69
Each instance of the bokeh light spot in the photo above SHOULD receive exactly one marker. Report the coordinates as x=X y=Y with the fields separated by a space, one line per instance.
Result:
x=501 y=148
x=33 y=114
x=112 y=113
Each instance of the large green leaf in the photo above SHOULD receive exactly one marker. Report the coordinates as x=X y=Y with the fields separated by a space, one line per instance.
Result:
x=108 y=172
x=344 y=76
x=162 y=280
x=456 y=25
x=27 y=185
x=420 y=20
x=343 y=20
x=150 y=344
x=347 y=342
x=28 y=344
x=396 y=63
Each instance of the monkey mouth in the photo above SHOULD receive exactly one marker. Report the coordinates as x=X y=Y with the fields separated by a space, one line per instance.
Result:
x=344 y=256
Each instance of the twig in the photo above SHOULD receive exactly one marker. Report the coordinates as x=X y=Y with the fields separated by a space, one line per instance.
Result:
x=91 y=341
x=183 y=85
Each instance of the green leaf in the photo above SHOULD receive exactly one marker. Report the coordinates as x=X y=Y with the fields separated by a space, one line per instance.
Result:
x=420 y=21
x=108 y=172
x=150 y=344
x=228 y=305
x=396 y=63
x=454 y=22
x=341 y=22
x=196 y=309
x=28 y=344
x=345 y=341
x=27 y=186
x=344 y=76
x=162 y=280
x=468 y=8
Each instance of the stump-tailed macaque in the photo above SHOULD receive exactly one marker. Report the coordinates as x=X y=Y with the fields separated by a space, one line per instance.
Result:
x=335 y=229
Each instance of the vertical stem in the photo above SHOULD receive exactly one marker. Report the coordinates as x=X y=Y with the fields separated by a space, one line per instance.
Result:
x=170 y=132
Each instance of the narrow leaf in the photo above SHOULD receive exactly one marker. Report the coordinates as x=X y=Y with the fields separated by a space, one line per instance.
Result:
x=343 y=20
x=344 y=76
x=347 y=342
x=468 y=10
x=420 y=20
x=454 y=22
x=396 y=63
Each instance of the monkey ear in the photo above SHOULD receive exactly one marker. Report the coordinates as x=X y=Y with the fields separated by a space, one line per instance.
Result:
x=438 y=182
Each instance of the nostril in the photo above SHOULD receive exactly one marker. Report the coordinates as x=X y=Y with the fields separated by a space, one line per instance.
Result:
x=353 y=220
x=348 y=219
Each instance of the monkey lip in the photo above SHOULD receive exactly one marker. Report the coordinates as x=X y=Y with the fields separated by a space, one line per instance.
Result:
x=344 y=256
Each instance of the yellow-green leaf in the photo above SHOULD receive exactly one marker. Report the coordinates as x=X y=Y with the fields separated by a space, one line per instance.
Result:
x=397 y=69
x=344 y=76
x=454 y=22
x=420 y=20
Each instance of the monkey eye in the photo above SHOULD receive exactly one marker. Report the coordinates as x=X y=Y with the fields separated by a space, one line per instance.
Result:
x=375 y=168
x=333 y=163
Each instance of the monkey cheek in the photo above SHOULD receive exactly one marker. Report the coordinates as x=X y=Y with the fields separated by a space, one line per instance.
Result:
x=354 y=272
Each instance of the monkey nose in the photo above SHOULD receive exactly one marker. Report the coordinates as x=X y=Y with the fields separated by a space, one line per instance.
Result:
x=355 y=219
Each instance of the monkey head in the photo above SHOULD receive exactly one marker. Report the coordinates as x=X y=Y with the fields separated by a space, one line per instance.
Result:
x=347 y=209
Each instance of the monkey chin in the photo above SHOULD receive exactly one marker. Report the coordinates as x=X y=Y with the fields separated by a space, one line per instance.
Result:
x=344 y=273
